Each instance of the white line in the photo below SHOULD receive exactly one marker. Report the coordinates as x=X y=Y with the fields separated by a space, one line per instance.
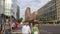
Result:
x=16 y=32
x=46 y=31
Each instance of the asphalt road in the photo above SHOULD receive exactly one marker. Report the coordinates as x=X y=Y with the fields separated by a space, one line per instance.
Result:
x=46 y=29
x=49 y=29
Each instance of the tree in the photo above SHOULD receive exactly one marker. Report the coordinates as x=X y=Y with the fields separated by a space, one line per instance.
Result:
x=45 y=19
x=26 y=21
x=48 y=19
x=20 y=20
x=42 y=19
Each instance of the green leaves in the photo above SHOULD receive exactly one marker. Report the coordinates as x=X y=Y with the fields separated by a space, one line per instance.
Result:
x=48 y=19
x=42 y=19
x=45 y=19
x=20 y=20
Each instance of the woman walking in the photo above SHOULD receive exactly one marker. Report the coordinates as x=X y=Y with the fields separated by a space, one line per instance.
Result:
x=35 y=29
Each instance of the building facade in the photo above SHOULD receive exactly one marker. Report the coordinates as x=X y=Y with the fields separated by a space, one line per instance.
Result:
x=1 y=6
x=58 y=9
x=8 y=8
x=50 y=11
x=16 y=9
x=35 y=15
x=18 y=12
x=27 y=13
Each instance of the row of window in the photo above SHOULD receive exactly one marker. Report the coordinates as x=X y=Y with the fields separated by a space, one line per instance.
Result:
x=53 y=4
x=51 y=7
x=58 y=18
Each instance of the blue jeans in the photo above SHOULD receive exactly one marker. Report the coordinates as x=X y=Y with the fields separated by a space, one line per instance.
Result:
x=7 y=32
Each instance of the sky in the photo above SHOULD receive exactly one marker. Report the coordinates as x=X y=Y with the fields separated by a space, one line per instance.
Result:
x=33 y=4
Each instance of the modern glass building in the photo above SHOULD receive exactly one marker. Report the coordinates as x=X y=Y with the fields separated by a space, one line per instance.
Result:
x=16 y=9
x=8 y=8
x=18 y=12
x=1 y=6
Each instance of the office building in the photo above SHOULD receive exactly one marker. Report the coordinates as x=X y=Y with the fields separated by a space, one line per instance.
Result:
x=35 y=15
x=16 y=9
x=18 y=12
x=8 y=8
x=58 y=9
x=50 y=11
x=1 y=6
x=27 y=13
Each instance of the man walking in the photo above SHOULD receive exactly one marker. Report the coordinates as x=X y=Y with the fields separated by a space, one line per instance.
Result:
x=7 y=27
x=26 y=29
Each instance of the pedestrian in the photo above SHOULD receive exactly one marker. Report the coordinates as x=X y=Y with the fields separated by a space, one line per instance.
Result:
x=35 y=29
x=16 y=25
x=26 y=28
x=1 y=28
x=31 y=25
x=7 y=27
x=13 y=26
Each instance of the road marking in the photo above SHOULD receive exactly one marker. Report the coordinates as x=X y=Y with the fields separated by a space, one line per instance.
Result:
x=16 y=32
x=46 y=31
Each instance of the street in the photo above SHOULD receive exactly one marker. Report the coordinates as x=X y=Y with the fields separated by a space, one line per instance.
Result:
x=18 y=31
x=44 y=29
x=43 y=15
x=50 y=29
